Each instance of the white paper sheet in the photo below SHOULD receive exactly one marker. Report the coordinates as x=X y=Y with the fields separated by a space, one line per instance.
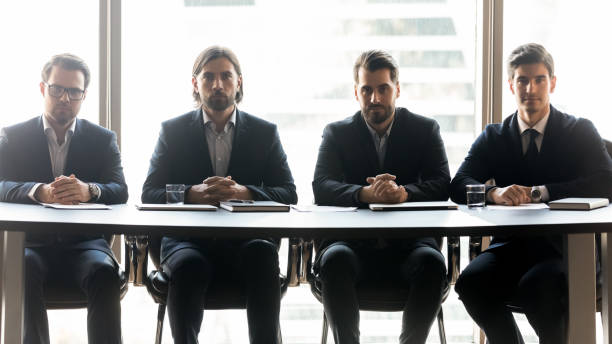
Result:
x=80 y=206
x=529 y=206
x=308 y=208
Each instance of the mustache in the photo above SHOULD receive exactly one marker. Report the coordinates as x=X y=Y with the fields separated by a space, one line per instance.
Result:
x=373 y=107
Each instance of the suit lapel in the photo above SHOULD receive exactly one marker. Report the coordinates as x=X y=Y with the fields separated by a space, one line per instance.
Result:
x=197 y=137
x=366 y=142
x=240 y=133
x=76 y=149
x=550 y=132
x=515 y=143
x=41 y=149
x=395 y=142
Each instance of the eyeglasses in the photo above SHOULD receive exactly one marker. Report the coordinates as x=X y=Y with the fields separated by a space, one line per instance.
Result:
x=58 y=91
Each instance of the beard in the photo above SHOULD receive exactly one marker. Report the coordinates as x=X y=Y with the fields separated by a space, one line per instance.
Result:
x=62 y=115
x=218 y=101
x=377 y=114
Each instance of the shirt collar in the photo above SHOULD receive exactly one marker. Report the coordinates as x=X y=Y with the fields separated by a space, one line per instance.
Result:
x=540 y=127
x=230 y=123
x=375 y=134
x=48 y=129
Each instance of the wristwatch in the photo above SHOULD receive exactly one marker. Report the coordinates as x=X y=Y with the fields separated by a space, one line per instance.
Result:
x=94 y=191
x=536 y=195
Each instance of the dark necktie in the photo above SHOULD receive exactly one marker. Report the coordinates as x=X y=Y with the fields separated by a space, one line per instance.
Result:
x=531 y=156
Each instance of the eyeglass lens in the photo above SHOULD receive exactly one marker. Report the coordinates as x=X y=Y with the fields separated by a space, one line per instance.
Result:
x=73 y=93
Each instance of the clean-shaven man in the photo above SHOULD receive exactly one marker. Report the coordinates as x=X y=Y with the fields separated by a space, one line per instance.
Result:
x=538 y=154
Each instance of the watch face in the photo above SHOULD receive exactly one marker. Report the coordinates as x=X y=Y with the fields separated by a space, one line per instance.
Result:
x=536 y=194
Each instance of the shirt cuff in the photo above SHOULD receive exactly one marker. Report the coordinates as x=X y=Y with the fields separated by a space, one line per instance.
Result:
x=488 y=197
x=99 y=191
x=544 y=192
x=33 y=192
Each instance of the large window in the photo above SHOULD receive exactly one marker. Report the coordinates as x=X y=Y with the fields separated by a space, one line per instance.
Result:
x=32 y=32
x=297 y=66
x=575 y=34
x=297 y=59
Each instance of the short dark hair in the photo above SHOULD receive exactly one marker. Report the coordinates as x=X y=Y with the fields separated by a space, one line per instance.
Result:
x=66 y=61
x=527 y=54
x=212 y=53
x=373 y=60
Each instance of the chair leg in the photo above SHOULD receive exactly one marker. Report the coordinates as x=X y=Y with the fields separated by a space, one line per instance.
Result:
x=161 y=312
x=324 y=332
x=441 y=329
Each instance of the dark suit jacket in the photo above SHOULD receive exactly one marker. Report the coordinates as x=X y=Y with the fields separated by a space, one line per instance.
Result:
x=573 y=161
x=181 y=157
x=347 y=156
x=93 y=157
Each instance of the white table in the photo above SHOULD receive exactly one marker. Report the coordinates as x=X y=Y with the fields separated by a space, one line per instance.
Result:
x=17 y=219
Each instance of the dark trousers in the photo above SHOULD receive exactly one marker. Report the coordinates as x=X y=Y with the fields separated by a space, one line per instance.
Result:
x=420 y=269
x=252 y=263
x=93 y=271
x=522 y=274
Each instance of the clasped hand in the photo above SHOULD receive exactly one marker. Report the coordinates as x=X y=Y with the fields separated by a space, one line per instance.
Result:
x=216 y=189
x=383 y=189
x=63 y=190
x=511 y=195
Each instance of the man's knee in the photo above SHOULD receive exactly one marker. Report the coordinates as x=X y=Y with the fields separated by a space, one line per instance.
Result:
x=103 y=275
x=425 y=263
x=187 y=265
x=338 y=261
x=260 y=250
x=469 y=285
x=259 y=258
x=35 y=267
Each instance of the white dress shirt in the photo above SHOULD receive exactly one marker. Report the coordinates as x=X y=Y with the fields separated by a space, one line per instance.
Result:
x=57 y=153
x=219 y=144
x=380 y=142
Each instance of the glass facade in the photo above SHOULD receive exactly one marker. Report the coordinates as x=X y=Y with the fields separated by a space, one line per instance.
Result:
x=32 y=32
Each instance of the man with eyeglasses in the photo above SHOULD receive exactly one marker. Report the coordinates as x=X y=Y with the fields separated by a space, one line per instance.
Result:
x=57 y=158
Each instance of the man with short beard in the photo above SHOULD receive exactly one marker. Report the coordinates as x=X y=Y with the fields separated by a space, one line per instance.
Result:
x=382 y=154
x=57 y=158
x=220 y=153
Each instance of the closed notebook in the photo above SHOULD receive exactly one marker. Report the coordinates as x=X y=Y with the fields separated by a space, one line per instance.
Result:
x=253 y=206
x=578 y=203
x=443 y=205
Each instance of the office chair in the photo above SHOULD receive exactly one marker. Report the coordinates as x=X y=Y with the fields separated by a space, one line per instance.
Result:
x=381 y=297
x=221 y=294
x=60 y=295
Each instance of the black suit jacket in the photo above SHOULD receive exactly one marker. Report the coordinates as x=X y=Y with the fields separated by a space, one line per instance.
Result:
x=181 y=157
x=347 y=156
x=93 y=157
x=573 y=160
